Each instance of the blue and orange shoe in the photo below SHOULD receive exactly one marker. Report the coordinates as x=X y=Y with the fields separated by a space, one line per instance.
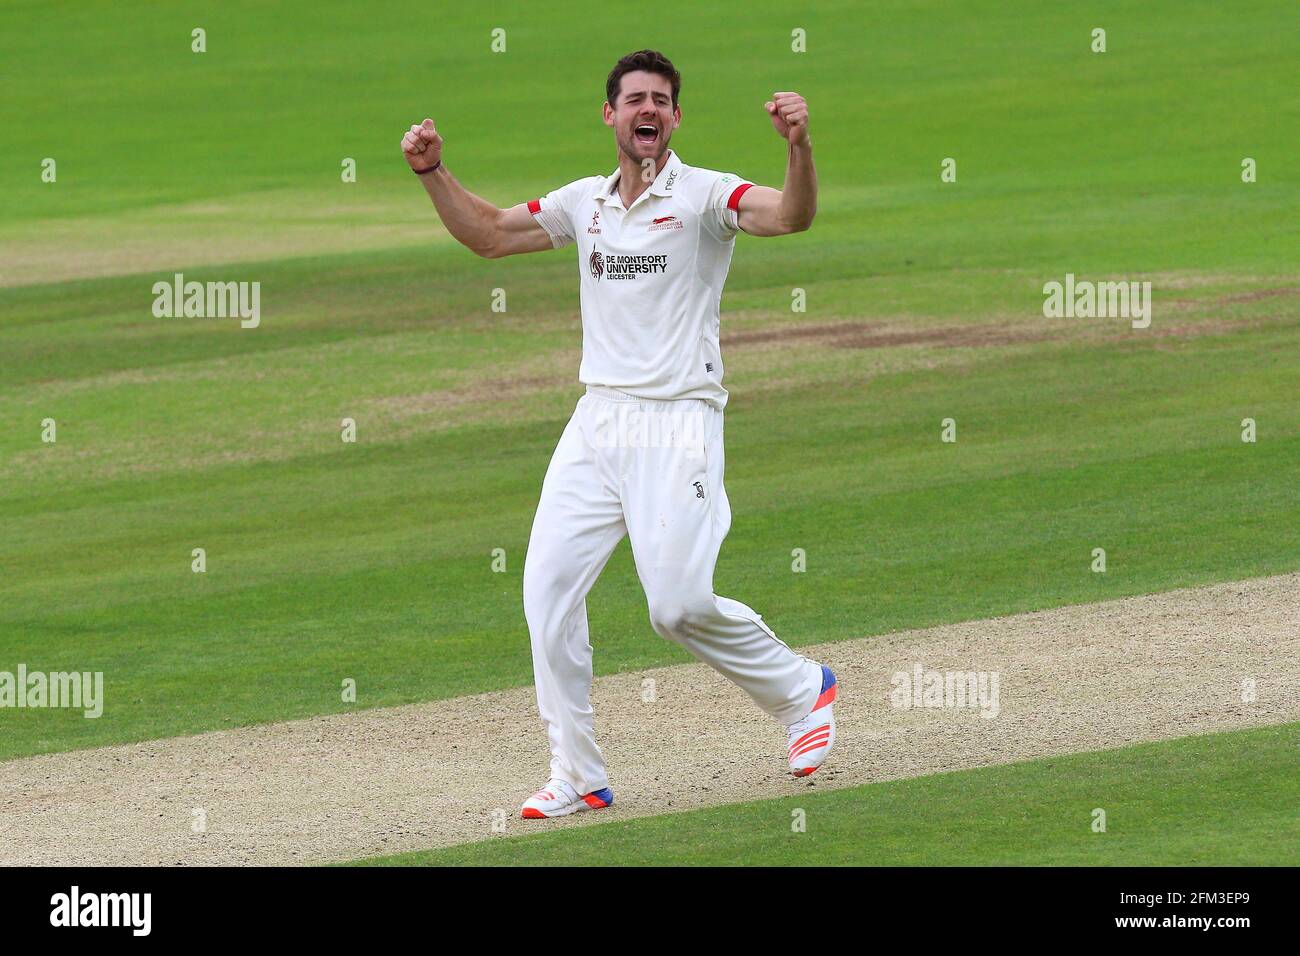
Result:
x=812 y=738
x=559 y=799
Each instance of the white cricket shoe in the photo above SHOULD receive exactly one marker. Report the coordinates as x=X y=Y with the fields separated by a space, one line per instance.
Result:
x=812 y=738
x=559 y=799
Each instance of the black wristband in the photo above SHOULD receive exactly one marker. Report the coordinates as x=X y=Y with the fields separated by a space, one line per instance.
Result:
x=421 y=172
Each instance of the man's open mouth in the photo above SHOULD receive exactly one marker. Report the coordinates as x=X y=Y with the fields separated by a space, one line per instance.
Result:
x=647 y=133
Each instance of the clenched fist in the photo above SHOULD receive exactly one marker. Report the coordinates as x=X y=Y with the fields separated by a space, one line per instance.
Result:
x=422 y=146
x=789 y=115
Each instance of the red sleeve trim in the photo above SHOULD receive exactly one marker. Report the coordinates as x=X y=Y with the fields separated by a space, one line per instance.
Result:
x=734 y=202
x=534 y=206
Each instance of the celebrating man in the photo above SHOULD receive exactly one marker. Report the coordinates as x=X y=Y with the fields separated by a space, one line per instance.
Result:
x=643 y=455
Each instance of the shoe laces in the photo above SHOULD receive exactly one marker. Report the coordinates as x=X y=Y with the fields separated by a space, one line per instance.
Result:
x=555 y=789
x=814 y=719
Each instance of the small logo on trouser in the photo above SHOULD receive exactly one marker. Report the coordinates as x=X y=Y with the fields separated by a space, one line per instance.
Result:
x=699 y=489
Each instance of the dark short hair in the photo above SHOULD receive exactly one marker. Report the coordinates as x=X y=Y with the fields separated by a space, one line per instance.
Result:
x=651 y=61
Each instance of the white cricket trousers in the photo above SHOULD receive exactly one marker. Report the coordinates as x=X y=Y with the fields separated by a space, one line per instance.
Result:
x=651 y=470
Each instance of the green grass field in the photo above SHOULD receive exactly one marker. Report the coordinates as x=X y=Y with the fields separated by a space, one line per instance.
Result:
x=1156 y=798
x=372 y=560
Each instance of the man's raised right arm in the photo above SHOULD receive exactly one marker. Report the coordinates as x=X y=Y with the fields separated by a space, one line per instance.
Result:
x=473 y=221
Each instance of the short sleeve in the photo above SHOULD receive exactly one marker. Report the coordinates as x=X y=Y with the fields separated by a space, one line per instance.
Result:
x=723 y=202
x=554 y=211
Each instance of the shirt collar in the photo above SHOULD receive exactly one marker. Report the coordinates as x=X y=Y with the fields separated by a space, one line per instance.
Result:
x=663 y=185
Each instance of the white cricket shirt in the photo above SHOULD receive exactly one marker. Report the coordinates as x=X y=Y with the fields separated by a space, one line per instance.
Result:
x=651 y=277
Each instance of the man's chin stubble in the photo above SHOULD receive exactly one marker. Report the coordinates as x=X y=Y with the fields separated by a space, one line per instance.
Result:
x=640 y=159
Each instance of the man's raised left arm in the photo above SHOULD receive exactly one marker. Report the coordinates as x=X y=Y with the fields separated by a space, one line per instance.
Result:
x=764 y=211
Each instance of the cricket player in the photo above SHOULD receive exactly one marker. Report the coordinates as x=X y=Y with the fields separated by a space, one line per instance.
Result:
x=643 y=454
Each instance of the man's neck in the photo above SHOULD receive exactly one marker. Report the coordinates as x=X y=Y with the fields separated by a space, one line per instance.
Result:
x=631 y=180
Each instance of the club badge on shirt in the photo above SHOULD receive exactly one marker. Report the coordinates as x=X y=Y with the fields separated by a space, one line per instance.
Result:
x=664 y=222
